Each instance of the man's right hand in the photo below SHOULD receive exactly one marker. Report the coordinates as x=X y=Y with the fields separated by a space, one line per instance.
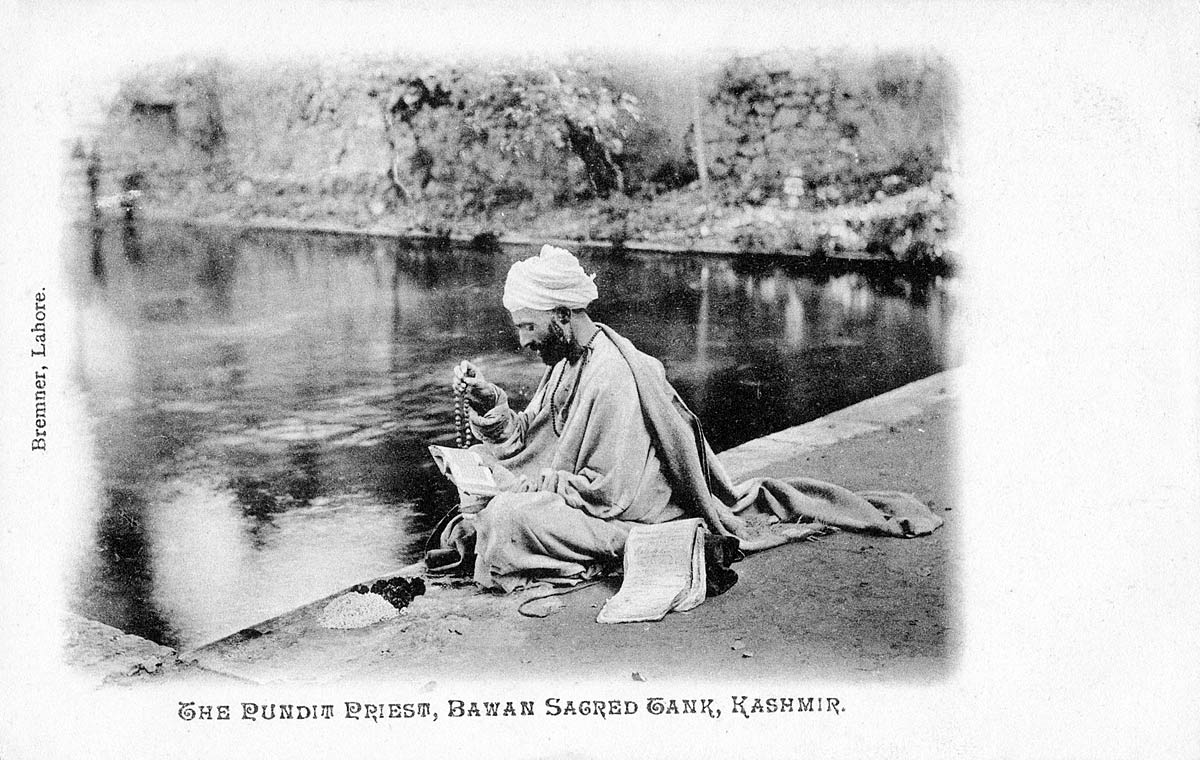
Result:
x=481 y=394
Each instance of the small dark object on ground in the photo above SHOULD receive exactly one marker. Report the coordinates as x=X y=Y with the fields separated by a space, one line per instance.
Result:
x=398 y=591
x=719 y=553
x=445 y=562
x=718 y=580
x=247 y=634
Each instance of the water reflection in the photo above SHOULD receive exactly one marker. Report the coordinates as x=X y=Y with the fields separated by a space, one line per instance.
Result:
x=97 y=253
x=262 y=402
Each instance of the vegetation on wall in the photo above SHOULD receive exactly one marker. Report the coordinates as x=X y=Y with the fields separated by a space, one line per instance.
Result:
x=472 y=142
x=819 y=153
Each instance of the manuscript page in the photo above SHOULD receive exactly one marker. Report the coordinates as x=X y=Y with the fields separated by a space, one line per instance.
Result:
x=664 y=571
x=465 y=469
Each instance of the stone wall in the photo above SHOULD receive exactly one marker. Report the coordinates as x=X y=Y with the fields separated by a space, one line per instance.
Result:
x=525 y=147
x=816 y=132
x=293 y=141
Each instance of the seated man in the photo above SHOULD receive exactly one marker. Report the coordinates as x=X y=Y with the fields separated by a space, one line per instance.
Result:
x=583 y=466
x=606 y=443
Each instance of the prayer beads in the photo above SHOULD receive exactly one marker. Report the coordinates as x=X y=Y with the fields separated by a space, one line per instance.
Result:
x=462 y=427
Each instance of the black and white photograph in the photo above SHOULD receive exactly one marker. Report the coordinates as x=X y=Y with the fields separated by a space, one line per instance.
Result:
x=591 y=380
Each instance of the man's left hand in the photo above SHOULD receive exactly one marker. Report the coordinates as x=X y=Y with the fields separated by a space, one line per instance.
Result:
x=508 y=482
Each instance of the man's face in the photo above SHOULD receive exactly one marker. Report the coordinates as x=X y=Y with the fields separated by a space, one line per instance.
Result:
x=543 y=332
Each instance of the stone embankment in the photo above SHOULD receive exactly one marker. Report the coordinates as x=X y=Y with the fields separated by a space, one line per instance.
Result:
x=107 y=656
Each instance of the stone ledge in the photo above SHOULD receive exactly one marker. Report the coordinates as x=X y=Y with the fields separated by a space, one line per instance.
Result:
x=105 y=653
x=864 y=417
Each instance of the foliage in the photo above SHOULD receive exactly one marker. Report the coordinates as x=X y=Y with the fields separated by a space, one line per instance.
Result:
x=475 y=141
x=913 y=230
x=760 y=237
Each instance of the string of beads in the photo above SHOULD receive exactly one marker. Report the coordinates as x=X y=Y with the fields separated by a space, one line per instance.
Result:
x=463 y=437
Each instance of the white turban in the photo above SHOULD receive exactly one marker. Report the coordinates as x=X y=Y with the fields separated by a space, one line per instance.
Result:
x=551 y=279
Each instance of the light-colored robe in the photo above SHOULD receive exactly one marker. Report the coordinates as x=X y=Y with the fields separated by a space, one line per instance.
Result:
x=593 y=473
x=628 y=450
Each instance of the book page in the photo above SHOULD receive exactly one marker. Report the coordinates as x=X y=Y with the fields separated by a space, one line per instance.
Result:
x=466 y=469
x=662 y=566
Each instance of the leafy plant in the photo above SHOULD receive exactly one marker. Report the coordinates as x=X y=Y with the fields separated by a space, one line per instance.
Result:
x=479 y=140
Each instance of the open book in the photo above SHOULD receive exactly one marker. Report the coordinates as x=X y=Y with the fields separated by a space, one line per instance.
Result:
x=465 y=469
x=664 y=571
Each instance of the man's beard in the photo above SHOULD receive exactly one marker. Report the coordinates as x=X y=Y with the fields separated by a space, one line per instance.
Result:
x=555 y=347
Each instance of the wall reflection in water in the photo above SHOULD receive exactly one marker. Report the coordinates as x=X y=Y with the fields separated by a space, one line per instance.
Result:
x=261 y=402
